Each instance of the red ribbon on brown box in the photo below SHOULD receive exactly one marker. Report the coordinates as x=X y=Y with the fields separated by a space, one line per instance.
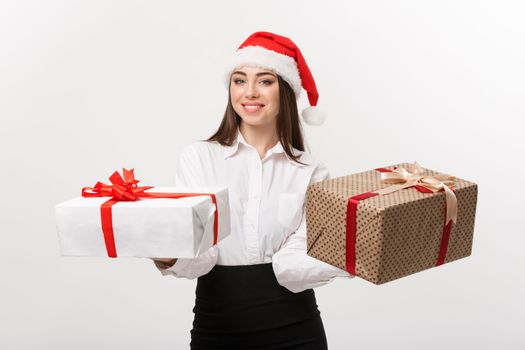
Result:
x=402 y=178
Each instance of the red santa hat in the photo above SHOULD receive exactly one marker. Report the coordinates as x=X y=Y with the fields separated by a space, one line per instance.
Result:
x=281 y=55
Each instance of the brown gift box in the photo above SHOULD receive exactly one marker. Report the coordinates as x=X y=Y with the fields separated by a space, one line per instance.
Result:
x=396 y=234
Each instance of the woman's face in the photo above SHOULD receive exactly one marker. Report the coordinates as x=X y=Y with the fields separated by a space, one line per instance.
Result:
x=254 y=95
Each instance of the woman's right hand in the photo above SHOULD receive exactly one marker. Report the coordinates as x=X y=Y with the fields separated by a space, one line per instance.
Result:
x=165 y=261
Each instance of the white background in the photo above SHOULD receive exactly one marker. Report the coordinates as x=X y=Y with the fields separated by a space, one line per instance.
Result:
x=89 y=87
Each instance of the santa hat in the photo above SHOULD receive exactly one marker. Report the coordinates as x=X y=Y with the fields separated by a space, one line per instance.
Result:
x=280 y=54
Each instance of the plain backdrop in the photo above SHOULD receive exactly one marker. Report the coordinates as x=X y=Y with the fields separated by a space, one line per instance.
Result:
x=89 y=87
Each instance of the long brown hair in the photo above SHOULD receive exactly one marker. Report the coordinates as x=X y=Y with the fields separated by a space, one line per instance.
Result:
x=289 y=127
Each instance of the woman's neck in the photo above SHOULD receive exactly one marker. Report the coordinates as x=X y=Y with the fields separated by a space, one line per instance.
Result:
x=262 y=138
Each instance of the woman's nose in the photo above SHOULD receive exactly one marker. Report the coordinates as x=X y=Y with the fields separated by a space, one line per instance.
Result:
x=251 y=90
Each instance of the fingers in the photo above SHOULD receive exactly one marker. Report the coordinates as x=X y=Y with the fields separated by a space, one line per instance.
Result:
x=165 y=260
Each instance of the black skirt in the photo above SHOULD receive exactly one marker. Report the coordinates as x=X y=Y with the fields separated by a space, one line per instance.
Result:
x=244 y=307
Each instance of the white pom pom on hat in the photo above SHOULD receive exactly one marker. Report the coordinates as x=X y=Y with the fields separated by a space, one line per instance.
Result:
x=313 y=115
x=280 y=54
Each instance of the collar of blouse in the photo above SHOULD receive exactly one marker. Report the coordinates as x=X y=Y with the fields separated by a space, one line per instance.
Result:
x=278 y=148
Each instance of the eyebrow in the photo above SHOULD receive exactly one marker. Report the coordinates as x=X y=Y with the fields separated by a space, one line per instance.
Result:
x=258 y=74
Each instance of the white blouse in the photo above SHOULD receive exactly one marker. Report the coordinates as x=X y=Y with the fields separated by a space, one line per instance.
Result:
x=267 y=209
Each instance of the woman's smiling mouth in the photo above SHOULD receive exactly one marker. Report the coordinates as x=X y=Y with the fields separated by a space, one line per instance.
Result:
x=252 y=107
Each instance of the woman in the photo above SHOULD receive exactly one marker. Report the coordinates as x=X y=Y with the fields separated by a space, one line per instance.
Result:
x=255 y=287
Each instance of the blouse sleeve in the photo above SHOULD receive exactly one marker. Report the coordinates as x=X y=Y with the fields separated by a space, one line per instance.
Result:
x=189 y=173
x=293 y=267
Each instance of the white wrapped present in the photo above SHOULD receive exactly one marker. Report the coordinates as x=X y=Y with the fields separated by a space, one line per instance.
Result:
x=144 y=227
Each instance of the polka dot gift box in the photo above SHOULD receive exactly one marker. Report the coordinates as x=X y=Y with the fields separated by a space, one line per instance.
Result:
x=388 y=223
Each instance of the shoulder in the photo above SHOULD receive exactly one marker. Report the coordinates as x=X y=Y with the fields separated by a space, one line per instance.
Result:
x=199 y=150
x=318 y=169
x=193 y=164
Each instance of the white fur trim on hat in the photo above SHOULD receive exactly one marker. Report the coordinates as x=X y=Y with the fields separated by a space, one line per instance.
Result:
x=281 y=64
x=313 y=115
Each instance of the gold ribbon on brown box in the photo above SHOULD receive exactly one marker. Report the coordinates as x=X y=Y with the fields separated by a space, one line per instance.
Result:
x=402 y=178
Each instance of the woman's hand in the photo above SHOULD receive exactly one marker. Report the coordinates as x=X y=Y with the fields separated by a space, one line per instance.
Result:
x=167 y=262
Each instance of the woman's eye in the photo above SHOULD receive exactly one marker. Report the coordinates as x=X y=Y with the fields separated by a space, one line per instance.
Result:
x=264 y=82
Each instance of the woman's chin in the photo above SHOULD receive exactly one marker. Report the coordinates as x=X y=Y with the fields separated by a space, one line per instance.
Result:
x=258 y=119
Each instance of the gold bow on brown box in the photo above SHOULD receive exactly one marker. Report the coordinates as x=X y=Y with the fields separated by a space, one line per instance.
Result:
x=390 y=222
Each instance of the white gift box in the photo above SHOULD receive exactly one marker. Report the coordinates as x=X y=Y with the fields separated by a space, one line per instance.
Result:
x=147 y=227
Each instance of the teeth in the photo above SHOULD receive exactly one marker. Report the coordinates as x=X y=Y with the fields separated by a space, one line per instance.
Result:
x=252 y=107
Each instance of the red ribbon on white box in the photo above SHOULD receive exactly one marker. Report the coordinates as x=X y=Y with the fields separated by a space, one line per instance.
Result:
x=126 y=189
